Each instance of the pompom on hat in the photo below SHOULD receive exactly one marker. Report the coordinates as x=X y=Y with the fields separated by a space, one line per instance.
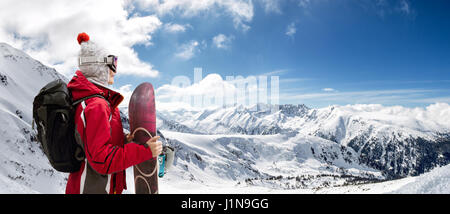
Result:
x=95 y=73
x=82 y=37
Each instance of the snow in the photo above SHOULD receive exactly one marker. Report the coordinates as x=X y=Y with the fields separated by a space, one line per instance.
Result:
x=435 y=182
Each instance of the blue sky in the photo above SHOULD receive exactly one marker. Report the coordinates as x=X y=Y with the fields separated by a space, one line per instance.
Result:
x=325 y=52
x=341 y=52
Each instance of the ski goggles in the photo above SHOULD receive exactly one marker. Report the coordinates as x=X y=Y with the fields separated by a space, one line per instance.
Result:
x=110 y=61
x=113 y=64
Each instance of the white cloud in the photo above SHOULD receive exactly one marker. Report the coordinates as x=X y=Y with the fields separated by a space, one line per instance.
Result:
x=291 y=29
x=210 y=87
x=223 y=42
x=241 y=11
x=271 y=6
x=188 y=50
x=369 y=96
x=212 y=91
x=47 y=31
x=126 y=91
x=328 y=89
x=176 y=28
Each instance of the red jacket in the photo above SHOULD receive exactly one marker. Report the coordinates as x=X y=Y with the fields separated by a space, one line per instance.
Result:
x=100 y=128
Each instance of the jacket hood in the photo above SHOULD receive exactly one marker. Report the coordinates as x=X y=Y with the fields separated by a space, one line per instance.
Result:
x=81 y=87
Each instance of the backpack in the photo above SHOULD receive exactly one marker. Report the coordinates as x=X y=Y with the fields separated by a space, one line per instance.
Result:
x=53 y=114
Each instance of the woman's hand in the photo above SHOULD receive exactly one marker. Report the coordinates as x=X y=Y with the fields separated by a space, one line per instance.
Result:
x=155 y=146
x=129 y=138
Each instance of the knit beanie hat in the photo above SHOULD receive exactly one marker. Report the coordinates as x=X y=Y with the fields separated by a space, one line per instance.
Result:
x=96 y=73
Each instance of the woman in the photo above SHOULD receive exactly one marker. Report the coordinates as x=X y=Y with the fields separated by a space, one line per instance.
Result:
x=98 y=125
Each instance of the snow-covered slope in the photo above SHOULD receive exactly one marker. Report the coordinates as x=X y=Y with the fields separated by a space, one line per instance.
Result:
x=21 y=78
x=434 y=182
x=23 y=166
x=437 y=181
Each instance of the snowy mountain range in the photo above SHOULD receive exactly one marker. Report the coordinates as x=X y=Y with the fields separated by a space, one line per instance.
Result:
x=296 y=148
x=397 y=141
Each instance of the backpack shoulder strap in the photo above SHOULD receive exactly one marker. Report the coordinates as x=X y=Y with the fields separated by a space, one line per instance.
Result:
x=92 y=96
x=89 y=97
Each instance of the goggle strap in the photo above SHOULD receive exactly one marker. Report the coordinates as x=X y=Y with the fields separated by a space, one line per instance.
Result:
x=92 y=60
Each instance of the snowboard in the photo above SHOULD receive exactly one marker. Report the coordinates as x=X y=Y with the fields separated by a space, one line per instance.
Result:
x=142 y=117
